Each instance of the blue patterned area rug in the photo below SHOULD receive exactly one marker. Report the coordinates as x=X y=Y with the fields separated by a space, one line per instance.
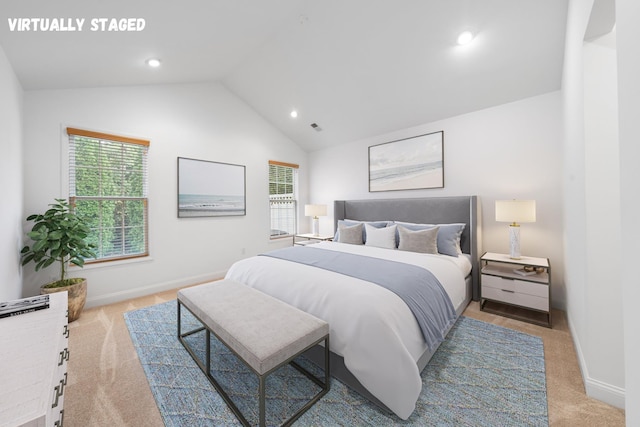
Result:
x=482 y=375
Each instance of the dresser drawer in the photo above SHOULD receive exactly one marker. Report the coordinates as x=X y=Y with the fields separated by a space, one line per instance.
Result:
x=514 y=291
x=515 y=285
x=510 y=297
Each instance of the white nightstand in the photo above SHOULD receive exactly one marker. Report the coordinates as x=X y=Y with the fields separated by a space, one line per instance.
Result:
x=506 y=292
x=310 y=238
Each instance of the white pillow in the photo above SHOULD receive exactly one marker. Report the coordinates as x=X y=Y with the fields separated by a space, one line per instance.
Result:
x=381 y=237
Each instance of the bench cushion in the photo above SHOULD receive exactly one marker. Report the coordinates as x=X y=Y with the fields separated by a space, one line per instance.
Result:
x=262 y=330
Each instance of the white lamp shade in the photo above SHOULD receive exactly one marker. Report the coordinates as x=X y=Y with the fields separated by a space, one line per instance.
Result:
x=515 y=211
x=315 y=210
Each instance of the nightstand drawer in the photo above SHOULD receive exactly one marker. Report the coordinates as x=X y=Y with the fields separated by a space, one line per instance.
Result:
x=511 y=297
x=515 y=285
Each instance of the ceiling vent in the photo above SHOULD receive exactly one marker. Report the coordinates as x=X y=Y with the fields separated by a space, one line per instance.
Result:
x=316 y=127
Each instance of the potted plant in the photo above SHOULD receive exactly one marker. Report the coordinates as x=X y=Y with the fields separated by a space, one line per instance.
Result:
x=59 y=236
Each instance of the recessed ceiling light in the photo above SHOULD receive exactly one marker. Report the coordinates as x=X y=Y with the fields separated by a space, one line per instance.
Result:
x=465 y=38
x=153 y=62
x=294 y=114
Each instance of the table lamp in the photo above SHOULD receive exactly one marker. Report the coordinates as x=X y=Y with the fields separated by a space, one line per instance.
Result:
x=515 y=211
x=315 y=211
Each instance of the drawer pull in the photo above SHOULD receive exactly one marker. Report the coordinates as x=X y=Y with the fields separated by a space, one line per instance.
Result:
x=507 y=290
x=56 y=396
x=64 y=356
x=58 y=390
x=60 y=422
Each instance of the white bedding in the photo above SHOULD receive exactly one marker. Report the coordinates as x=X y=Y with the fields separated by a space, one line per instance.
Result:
x=371 y=327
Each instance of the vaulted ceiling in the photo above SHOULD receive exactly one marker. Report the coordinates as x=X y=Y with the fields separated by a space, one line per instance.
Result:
x=356 y=68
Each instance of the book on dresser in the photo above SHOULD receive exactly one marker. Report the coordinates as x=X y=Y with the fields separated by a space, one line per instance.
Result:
x=23 y=305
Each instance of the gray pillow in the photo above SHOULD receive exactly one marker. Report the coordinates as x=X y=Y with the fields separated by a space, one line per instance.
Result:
x=350 y=222
x=422 y=241
x=448 y=236
x=350 y=234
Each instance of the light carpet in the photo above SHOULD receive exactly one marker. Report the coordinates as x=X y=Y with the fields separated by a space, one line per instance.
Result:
x=482 y=375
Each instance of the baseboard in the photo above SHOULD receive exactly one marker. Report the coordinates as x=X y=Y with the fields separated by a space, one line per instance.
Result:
x=152 y=289
x=607 y=393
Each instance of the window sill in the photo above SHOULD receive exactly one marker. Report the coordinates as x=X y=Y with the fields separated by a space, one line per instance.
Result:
x=114 y=263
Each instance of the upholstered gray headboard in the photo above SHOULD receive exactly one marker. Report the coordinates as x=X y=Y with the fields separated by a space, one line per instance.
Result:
x=435 y=210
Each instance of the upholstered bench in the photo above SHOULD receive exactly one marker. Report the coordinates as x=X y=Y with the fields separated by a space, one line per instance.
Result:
x=262 y=331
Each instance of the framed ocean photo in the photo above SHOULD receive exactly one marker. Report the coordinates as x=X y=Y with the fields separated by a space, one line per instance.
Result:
x=210 y=189
x=407 y=164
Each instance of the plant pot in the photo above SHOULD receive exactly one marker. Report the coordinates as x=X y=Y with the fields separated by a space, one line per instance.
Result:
x=76 y=295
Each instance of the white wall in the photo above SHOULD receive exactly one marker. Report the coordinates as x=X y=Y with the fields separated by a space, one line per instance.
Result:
x=628 y=33
x=203 y=121
x=602 y=201
x=11 y=212
x=505 y=152
x=592 y=208
x=574 y=220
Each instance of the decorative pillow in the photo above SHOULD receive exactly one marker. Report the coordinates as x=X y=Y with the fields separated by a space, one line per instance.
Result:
x=350 y=234
x=350 y=222
x=423 y=241
x=381 y=237
x=448 y=236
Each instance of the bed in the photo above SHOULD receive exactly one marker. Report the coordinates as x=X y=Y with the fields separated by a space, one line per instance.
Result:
x=377 y=345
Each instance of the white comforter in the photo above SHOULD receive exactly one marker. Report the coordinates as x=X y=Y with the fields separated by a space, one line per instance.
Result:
x=371 y=327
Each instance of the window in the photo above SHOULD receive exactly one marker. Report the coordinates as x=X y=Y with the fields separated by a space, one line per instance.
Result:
x=283 y=194
x=108 y=189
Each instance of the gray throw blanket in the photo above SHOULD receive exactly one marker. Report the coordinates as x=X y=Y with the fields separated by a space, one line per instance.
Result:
x=416 y=286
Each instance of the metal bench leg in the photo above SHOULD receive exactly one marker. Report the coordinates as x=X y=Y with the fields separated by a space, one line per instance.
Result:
x=327 y=373
x=261 y=400
x=179 y=322
x=208 y=352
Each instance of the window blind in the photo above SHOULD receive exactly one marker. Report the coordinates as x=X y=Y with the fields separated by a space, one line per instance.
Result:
x=108 y=185
x=283 y=182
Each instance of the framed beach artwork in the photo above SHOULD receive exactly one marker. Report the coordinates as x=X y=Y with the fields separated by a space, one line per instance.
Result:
x=407 y=164
x=210 y=188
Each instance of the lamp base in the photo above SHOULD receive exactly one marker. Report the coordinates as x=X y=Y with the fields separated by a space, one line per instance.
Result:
x=514 y=242
x=316 y=226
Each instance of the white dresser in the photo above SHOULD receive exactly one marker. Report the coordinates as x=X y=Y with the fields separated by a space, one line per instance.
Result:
x=33 y=367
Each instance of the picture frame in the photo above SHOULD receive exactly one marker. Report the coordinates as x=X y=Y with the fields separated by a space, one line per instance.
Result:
x=407 y=164
x=210 y=189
